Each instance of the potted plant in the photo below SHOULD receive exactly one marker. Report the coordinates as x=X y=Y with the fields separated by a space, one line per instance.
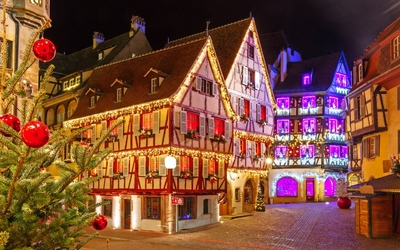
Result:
x=212 y=177
x=396 y=165
x=343 y=200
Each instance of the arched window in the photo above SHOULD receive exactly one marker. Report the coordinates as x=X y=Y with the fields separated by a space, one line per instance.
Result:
x=287 y=186
x=330 y=186
x=60 y=114
x=50 y=117
x=71 y=108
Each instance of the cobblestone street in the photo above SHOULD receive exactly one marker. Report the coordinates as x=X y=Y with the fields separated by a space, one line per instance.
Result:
x=281 y=226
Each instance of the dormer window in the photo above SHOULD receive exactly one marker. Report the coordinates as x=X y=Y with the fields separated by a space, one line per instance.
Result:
x=92 y=101
x=341 y=80
x=251 y=51
x=100 y=56
x=360 y=72
x=396 y=47
x=306 y=79
x=119 y=95
x=154 y=85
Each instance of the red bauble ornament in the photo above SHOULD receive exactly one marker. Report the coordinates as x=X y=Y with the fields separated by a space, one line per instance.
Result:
x=44 y=50
x=12 y=121
x=100 y=223
x=344 y=202
x=35 y=134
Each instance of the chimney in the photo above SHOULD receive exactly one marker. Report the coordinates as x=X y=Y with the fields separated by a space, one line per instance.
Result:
x=136 y=24
x=97 y=38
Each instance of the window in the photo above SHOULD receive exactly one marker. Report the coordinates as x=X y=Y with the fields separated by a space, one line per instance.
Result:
x=333 y=102
x=286 y=186
x=186 y=211
x=395 y=47
x=307 y=151
x=100 y=56
x=153 y=208
x=153 y=85
x=334 y=151
x=206 y=206
x=60 y=114
x=242 y=147
x=119 y=95
x=154 y=164
x=184 y=164
x=251 y=51
x=341 y=80
x=206 y=86
x=330 y=187
x=333 y=126
x=359 y=107
x=107 y=208
x=50 y=117
x=192 y=122
x=355 y=153
x=280 y=151
x=252 y=78
x=306 y=79
x=66 y=85
x=237 y=194
x=257 y=149
x=282 y=102
x=360 y=72
x=147 y=121
x=261 y=113
x=246 y=108
x=282 y=126
x=92 y=101
x=308 y=102
x=309 y=125
x=370 y=147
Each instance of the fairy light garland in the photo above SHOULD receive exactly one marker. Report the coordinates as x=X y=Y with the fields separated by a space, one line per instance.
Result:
x=252 y=137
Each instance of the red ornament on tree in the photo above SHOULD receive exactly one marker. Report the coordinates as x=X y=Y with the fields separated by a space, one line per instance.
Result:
x=44 y=50
x=35 y=134
x=12 y=121
x=100 y=223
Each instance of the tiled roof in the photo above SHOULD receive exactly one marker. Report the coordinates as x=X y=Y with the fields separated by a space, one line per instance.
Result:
x=272 y=44
x=386 y=184
x=226 y=39
x=322 y=69
x=88 y=58
x=176 y=62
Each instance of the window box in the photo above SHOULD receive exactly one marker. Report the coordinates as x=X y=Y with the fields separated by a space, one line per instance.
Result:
x=152 y=174
x=244 y=118
x=145 y=133
x=112 y=137
x=186 y=175
x=219 y=138
x=192 y=134
x=118 y=175
x=212 y=177
x=242 y=155
x=256 y=158
x=262 y=123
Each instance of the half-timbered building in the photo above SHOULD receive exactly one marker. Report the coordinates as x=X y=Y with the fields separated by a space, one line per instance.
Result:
x=173 y=102
x=310 y=151
x=374 y=114
x=239 y=53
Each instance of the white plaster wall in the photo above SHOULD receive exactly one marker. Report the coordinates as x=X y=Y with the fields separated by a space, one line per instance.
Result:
x=203 y=219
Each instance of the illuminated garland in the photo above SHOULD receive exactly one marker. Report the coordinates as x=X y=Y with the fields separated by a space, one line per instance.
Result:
x=252 y=137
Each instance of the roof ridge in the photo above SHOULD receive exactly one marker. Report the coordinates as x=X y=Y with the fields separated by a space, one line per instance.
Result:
x=219 y=27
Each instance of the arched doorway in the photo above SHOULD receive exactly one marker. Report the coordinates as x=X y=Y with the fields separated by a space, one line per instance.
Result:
x=223 y=204
x=248 y=196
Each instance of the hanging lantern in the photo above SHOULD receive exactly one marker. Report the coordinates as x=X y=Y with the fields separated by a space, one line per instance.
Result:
x=44 y=50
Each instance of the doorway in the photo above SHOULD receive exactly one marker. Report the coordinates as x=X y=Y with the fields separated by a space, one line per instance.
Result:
x=127 y=214
x=310 y=189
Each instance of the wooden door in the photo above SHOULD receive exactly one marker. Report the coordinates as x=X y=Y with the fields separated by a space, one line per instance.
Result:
x=127 y=213
x=310 y=189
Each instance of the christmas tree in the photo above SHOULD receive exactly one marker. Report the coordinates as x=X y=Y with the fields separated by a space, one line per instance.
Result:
x=260 y=204
x=37 y=211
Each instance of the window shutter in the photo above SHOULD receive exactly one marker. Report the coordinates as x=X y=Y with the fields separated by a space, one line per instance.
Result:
x=163 y=170
x=215 y=89
x=100 y=168
x=211 y=127
x=183 y=126
x=125 y=166
x=198 y=83
x=142 y=166
x=202 y=126
x=227 y=130
x=258 y=112
x=221 y=169
x=177 y=169
x=121 y=130
x=93 y=139
x=245 y=79
x=136 y=124
x=251 y=110
x=263 y=149
x=237 y=146
x=362 y=106
x=85 y=174
x=253 y=148
x=205 y=168
x=241 y=106
x=156 y=122
x=377 y=145
x=110 y=167
x=248 y=146
x=257 y=80
x=103 y=126
x=365 y=148
x=195 y=166
x=234 y=104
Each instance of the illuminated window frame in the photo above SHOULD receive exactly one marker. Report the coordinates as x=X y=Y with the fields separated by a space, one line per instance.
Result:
x=307 y=151
x=396 y=47
x=333 y=126
x=341 y=80
x=281 y=151
x=282 y=102
x=309 y=125
x=334 y=151
x=287 y=187
x=308 y=102
x=282 y=126
x=333 y=102
x=306 y=79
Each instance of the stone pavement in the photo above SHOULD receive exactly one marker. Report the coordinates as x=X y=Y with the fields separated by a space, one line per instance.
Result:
x=282 y=226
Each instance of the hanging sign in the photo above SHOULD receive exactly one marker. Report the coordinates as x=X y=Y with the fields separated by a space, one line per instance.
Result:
x=177 y=201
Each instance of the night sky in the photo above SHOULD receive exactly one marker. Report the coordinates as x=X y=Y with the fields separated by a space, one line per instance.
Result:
x=313 y=27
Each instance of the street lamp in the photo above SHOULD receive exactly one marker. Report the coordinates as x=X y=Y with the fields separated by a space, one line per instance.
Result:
x=170 y=163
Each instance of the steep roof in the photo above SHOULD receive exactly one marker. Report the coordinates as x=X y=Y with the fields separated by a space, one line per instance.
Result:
x=226 y=39
x=87 y=58
x=322 y=70
x=176 y=62
x=386 y=184
x=272 y=44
